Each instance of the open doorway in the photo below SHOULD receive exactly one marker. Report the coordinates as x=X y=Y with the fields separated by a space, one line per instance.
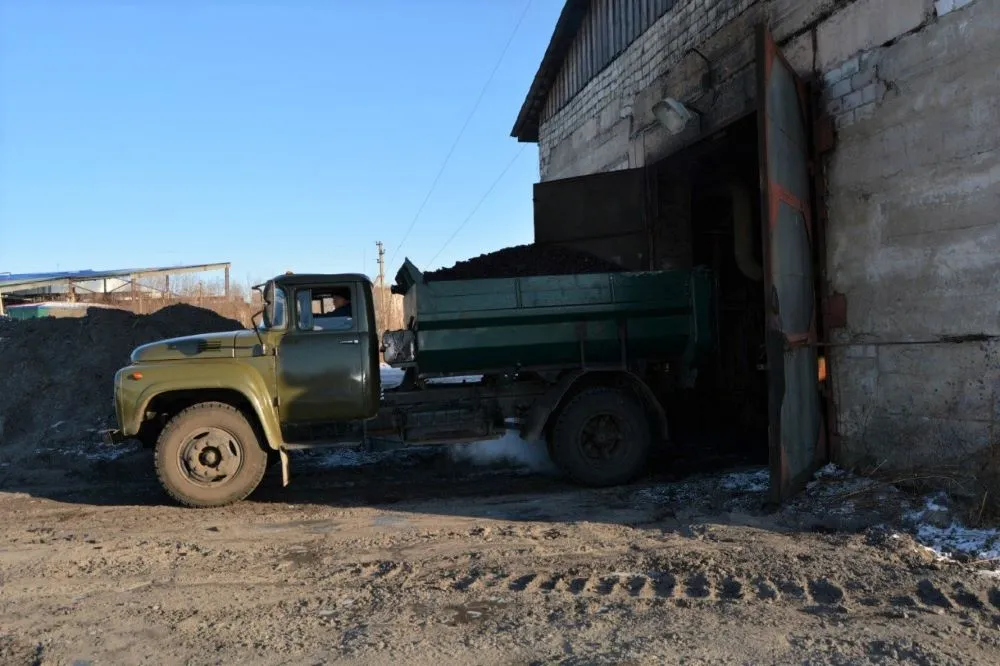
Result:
x=707 y=203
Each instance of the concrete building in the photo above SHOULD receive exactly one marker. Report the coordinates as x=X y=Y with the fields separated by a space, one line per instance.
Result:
x=837 y=162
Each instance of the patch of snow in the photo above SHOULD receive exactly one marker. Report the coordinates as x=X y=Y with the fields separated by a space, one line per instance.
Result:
x=682 y=493
x=95 y=452
x=108 y=453
x=831 y=481
x=695 y=491
x=391 y=377
x=747 y=482
x=831 y=471
x=848 y=508
x=937 y=502
x=356 y=457
x=464 y=379
x=953 y=538
x=981 y=544
x=349 y=458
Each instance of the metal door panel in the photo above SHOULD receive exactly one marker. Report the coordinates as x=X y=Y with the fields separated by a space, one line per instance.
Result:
x=321 y=373
x=797 y=445
x=604 y=214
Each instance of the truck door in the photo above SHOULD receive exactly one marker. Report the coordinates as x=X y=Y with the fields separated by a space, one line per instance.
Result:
x=796 y=437
x=321 y=359
x=604 y=214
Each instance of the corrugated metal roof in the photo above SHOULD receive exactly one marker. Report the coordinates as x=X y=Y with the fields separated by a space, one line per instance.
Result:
x=588 y=36
x=570 y=20
x=14 y=281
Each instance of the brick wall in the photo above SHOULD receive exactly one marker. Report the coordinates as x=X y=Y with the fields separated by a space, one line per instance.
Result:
x=853 y=90
x=608 y=124
x=601 y=112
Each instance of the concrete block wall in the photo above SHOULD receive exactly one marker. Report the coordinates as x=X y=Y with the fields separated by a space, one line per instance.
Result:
x=914 y=241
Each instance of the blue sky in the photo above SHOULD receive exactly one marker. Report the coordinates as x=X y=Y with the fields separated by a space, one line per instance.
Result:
x=276 y=134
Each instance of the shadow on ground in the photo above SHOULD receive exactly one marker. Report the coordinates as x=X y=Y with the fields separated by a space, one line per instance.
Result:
x=426 y=480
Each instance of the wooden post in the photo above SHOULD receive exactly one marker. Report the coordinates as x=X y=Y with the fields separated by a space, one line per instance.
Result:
x=167 y=287
x=72 y=292
x=227 y=281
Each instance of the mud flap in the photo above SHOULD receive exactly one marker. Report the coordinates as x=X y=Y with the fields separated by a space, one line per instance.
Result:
x=283 y=454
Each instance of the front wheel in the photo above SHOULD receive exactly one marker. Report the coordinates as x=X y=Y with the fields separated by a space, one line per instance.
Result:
x=208 y=455
x=601 y=438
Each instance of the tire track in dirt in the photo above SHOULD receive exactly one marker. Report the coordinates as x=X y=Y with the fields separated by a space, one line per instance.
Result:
x=817 y=594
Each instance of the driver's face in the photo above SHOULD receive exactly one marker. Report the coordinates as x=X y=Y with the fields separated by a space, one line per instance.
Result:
x=339 y=301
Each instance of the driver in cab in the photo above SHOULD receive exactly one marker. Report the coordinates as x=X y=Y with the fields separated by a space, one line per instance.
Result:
x=341 y=306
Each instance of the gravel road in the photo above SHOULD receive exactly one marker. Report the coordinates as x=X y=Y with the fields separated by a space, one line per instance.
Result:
x=423 y=559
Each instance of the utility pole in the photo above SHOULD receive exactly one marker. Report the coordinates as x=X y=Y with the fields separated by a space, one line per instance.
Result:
x=381 y=285
x=381 y=263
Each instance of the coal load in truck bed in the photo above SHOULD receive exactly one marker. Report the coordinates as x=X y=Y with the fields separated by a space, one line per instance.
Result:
x=525 y=261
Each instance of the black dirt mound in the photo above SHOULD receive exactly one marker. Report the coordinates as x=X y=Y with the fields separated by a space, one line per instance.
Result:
x=58 y=373
x=525 y=261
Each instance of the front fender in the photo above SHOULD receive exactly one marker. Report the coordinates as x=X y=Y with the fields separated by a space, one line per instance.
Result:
x=135 y=395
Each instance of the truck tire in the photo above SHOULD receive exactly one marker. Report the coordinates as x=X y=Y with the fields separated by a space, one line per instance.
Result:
x=601 y=438
x=208 y=455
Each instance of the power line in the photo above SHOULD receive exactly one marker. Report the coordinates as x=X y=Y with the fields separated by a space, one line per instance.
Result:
x=461 y=132
x=478 y=204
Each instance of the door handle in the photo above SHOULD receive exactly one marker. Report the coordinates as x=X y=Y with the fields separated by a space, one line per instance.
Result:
x=349 y=342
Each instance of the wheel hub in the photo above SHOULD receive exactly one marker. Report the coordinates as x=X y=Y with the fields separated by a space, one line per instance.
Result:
x=211 y=456
x=602 y=436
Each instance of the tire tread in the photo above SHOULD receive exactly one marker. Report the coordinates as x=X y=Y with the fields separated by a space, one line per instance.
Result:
x=603 y=394
x=176 y=422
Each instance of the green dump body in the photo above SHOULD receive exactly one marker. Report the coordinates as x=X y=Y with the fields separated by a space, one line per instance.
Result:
x=490 y=325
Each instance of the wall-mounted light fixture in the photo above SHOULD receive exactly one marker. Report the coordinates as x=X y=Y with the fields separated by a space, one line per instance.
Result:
x=672 y=114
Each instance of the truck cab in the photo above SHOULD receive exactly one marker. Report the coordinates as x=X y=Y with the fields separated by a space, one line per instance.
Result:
x=216 y=407
x=322 y=334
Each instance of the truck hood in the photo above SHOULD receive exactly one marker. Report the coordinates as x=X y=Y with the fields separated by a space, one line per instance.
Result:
x=205 y=345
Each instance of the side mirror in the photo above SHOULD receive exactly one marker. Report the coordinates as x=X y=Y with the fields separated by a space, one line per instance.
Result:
x=268 y=295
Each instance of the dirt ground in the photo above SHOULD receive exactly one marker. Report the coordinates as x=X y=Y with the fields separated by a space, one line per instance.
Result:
x=428 y=559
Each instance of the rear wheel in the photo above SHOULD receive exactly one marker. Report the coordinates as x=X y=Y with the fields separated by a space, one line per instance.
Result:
x=601 y=438
x=208 y=455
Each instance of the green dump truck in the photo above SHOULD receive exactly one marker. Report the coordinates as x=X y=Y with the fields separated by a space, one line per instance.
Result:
x=583 y=362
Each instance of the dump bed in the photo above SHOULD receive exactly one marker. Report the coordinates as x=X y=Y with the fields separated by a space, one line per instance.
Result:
x=493 y=325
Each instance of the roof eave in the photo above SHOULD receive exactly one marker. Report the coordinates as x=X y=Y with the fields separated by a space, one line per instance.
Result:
x=526 y=126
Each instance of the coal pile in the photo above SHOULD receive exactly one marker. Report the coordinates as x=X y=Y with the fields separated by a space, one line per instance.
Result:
x=59 y=373
x=525 y=261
